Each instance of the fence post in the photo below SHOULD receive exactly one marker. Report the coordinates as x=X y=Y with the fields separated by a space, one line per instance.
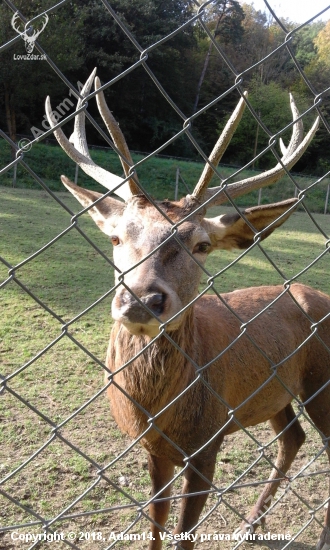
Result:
x=14 y=175
x=76 y=174
x=327 y=199
x=176 y=184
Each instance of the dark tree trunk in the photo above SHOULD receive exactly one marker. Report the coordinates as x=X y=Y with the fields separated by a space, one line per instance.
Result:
x=10 y=114
x=206 y=61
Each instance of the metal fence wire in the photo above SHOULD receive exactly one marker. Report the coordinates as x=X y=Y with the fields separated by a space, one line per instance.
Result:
x=69 y=478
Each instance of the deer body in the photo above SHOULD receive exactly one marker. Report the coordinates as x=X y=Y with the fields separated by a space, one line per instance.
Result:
x=161 y=372
x=187 y=369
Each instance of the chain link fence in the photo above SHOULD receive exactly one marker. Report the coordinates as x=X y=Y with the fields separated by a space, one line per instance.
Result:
x=69 y=478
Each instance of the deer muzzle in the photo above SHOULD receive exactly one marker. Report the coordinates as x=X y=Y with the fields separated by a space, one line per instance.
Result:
x=141 y=311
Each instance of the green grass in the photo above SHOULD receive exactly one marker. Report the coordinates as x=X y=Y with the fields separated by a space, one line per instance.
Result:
x=157 y=175
x=68 y=277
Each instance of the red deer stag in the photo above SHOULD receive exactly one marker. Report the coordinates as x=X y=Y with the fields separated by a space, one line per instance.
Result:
x=199 y=367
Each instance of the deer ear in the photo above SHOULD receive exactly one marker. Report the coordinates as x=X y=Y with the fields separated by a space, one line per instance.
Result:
x=231 y=230
x=106 y=213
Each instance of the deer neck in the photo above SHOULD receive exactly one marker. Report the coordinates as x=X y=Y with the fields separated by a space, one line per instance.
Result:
x=159 y=373
x=159 y=363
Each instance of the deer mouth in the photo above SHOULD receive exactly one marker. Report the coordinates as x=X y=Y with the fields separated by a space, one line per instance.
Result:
x=151 y=329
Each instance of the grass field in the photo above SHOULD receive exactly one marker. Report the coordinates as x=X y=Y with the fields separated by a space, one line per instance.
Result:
x=68 y=277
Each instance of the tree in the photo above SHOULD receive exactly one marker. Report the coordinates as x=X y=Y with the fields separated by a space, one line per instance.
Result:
x=261 y=37
x=24 y=83
x=225 y=20
x=306 y=45
x=318 y=73
x=144 y=115
x=322 y=43
x=272 y=105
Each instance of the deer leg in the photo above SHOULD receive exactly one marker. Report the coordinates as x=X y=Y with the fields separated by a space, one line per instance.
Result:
x=289 y=442
x=161 y=472
x=191 y=507
x=319 y=411
x=324 y=542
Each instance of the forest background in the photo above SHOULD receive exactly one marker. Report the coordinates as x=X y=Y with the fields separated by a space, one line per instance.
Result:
x=81 y=35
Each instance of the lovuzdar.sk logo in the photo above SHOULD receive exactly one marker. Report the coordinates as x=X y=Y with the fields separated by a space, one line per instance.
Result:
x=29 y=34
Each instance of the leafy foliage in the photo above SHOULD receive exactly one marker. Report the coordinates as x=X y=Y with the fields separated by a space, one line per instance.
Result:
x=193 y=70
x=24 y=84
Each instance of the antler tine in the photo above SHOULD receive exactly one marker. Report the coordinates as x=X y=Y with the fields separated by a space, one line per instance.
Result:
x=79 y=152
x=78 y=138
x=291 y=155
x=117 y=137
x=219 y=149
x=297 y=132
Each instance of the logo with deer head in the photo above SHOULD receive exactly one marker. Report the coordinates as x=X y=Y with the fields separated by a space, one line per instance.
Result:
x=31 y=34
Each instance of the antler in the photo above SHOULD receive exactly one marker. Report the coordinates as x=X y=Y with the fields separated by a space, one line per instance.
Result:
x=79 y=153
x=117 y=137
x=219 y=149
x=291 y=155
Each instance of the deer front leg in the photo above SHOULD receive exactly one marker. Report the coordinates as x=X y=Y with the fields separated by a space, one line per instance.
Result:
x=161 y=472
x=191 y=507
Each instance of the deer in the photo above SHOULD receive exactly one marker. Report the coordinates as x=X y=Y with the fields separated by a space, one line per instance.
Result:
x=187 y=368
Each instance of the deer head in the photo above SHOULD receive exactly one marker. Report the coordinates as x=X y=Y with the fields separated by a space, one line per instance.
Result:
x=29 y=39
x=160 y=247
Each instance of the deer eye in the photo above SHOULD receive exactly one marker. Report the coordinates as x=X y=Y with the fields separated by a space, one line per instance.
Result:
x=202 y=248
x=115 y=240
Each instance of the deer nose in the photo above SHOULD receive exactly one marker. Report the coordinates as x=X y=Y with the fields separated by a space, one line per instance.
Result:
x=156 y=302
x=134 y=310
